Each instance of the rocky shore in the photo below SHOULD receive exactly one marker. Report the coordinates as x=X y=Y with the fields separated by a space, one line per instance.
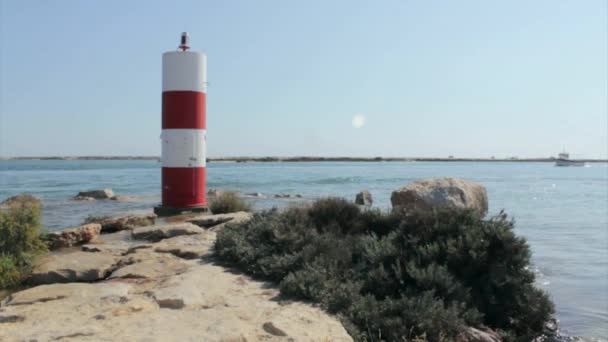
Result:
x=156 y=282
x=140 y=277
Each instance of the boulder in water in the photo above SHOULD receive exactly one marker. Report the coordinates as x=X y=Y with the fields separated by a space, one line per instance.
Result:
x=364 y=198
x=430 y=193
x=95 y=194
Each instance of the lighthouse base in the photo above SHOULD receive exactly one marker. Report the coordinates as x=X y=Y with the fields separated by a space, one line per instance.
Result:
x=163 y=210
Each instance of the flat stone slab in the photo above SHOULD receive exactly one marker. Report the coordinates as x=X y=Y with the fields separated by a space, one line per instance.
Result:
x=159 y=232
x=72 y=267
x=147 y=264
x=114 y=247
x=53 y=292
x=187 y=246
x=114 y=224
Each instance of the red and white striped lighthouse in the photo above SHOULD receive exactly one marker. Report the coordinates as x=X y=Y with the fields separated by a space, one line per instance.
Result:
x=183 y=155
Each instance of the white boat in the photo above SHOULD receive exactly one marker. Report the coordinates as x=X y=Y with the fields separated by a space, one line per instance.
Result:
x=563 y=159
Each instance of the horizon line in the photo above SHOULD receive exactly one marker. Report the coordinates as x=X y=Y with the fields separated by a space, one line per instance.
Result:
x=304 y=158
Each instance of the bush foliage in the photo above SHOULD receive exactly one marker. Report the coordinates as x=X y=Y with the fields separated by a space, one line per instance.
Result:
x=20 y=241
x=228 y=202
x=394 y=277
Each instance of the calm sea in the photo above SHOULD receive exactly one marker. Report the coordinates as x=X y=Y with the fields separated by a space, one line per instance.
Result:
x=563 y=212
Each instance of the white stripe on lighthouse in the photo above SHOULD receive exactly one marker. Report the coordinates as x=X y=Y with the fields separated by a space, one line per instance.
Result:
x=184 y=148
x=184 y=71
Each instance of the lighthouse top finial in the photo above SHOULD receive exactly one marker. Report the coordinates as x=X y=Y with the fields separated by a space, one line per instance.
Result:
x=184 y=41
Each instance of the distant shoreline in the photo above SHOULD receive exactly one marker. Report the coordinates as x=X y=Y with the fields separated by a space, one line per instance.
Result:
x=314 y=159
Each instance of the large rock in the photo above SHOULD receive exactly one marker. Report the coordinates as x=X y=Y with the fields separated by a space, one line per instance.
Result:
x=72 y=236
x=159 y=232
x=114 y=224
x=364 y=198
x=96 y=194
x=214 y=193
x=426 y=194
x=72 y=267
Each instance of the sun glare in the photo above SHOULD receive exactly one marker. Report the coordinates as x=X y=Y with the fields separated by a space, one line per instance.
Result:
x=358 y=121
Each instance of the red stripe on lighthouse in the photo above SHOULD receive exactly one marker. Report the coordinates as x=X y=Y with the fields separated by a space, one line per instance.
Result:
x=183 y=186
x=183 y=109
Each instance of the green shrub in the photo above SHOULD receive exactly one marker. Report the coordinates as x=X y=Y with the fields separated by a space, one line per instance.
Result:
x=10 y=275
x=228 y=202
x=20 y=241
x=394 y=277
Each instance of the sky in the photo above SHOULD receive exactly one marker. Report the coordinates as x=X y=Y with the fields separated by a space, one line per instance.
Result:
x=325 y=78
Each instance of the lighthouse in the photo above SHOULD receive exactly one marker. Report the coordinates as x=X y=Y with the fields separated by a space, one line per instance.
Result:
x=183 y=137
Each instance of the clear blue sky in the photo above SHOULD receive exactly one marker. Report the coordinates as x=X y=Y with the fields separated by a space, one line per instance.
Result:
x=432 y=78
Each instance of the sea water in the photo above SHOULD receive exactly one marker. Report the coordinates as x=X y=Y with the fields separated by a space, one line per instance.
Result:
x=562 y=211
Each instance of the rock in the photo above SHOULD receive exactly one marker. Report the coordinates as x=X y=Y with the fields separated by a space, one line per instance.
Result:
x=187 y=246
x=254 y=194
x=56 y=292
x=72 y=267
x=83 y=198
x=20 y=200
x=270 y=328
x=114 y=247
x=298 y=196
x=471 y=334
x=551 y=327
x=118 y=244
x=181 y=294
x=159 y=232
x=214 y=193
x=11 y=319
x=149 y=265
x=282 y=196
x=62 y=312
x=431 y=193
x=122 y=198
x=114 y=224
x=72 y=236
x=97 y=194
x=364 y=198
x=209 y=221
